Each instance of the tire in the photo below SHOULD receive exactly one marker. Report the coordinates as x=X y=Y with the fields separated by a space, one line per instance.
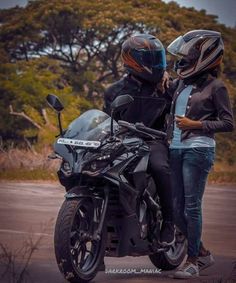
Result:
x=168 y=260
x=78 y=255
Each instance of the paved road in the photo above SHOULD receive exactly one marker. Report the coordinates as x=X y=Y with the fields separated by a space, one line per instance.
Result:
x=25 y=208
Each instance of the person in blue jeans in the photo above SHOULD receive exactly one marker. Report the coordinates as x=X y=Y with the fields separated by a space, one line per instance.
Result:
x=200 y=108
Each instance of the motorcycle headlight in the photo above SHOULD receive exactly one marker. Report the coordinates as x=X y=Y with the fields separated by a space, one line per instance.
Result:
x=65 y=168
x=95 y=167
x=104 y=157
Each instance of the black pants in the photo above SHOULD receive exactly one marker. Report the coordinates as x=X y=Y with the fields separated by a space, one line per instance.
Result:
x=160 y=171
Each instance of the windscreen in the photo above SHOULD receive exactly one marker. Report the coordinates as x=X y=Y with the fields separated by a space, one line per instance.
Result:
x=92 y=125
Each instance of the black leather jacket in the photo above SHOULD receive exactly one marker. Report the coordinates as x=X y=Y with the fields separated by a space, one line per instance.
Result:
x=150 y=105
x=209 y=103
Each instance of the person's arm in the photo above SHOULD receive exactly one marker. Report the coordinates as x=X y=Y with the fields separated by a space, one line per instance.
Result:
x=225 y=121
x=108 y=98
x=184 y=123
x=172 y=86
x=110 y=94
x=165 y=82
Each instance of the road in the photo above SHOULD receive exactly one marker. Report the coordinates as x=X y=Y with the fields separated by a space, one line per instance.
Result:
x=28 y=210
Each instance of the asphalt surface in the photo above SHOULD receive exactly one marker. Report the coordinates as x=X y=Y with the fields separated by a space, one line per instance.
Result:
x=29 y=210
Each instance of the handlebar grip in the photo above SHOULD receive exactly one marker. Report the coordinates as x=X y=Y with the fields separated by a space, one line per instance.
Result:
x=127 y=125
x=140 y=126
x=124 y=123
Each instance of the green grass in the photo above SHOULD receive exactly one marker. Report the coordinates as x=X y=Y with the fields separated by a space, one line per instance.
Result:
x=42 y=174
x=222 y=177
x=24 y=174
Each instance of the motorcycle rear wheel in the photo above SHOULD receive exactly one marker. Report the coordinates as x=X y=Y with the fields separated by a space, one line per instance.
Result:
x=78 y=255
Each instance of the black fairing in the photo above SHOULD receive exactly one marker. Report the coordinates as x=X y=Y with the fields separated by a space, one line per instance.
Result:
x=117 y=171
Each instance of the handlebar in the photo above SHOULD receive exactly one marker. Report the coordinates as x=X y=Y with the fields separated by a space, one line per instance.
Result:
x=142 y=129
x=128 y=125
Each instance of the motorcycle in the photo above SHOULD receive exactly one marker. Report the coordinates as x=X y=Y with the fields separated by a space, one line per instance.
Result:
x=111 y=205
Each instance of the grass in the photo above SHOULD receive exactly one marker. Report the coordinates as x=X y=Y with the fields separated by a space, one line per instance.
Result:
x=16 y=164
x=222 y=177
x=16 y=262
x=222 y=172
x=25 y=174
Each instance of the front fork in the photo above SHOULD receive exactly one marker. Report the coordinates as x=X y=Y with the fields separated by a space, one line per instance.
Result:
x=98 y=202
x=98 y=232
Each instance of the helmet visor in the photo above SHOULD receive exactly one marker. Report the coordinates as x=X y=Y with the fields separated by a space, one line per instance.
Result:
x=178 y=47
x=151 y=58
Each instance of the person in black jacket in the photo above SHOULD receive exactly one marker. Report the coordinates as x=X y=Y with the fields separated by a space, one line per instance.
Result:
x=200 y=108
x=144 y=59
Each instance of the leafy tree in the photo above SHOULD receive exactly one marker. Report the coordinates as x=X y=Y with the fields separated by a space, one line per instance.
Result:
x=24 y=87
x=85 y=35
x=72 y=48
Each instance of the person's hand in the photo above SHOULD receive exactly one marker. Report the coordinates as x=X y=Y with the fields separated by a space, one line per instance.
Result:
x=184 y=123
x=165 y=80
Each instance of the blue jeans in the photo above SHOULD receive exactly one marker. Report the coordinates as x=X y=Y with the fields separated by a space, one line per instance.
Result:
x=189 y=171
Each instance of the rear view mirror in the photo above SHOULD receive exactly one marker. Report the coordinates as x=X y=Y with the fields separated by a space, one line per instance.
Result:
x=121 y=101
x=54 y=102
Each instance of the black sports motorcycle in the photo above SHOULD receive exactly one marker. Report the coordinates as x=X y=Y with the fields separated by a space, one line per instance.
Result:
x=111 y=207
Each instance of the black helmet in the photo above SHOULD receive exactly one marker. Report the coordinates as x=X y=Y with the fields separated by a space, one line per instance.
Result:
x=143 y=55
x=198 y=51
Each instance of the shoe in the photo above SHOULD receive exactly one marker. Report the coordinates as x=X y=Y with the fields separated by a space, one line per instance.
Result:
x=167 y=235
x=188 y=270
x=205 y=261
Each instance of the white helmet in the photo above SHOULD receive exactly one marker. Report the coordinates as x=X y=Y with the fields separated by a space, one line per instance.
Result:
x=198 y=50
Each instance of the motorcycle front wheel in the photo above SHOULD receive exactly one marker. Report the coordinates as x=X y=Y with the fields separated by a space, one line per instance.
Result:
x=78 y=255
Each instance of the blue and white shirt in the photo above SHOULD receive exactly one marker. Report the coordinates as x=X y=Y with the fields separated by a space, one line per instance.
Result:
x=180 y=109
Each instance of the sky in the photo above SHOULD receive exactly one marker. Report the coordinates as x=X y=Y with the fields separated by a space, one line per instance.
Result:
x=224 y=9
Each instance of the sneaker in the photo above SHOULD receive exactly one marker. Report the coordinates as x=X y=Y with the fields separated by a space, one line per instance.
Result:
x=167 y=236
x=188 y=270
x=204 y=262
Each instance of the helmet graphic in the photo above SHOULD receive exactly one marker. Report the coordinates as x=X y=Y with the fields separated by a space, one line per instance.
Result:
x=198 y=51
x=143 y=55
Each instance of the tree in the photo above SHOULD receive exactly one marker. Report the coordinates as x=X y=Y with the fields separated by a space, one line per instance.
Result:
x=23 y=90
x=73 y=47
x=87 y=35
